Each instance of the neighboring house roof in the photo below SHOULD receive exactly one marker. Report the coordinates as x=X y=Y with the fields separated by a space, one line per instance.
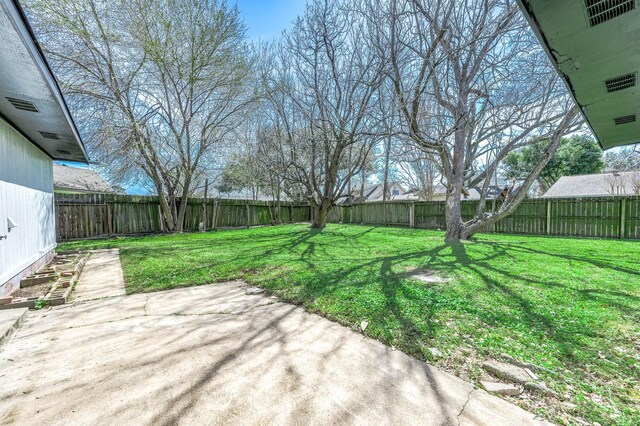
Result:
x=439 y=189
x=74 y=179
x=372 y=192
x=473 y=193
x=595 y=185
x=407 y=196
x=344 y=200
x=376 y=192
x=30 y=98
x=593 y=45
x=247 y=195
x=368 y=190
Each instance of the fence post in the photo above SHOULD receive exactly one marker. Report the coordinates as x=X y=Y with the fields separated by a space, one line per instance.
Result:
x=623 y=214
x=110 y=218
x=216 y=201
x=204 y=205
x=548 y=217
x=160 y=218
x=412 y=215
x=385 y=205
x=248 y=216
x=494 y=226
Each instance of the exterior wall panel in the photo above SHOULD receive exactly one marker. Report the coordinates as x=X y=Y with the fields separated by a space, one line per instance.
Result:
x=26 y=195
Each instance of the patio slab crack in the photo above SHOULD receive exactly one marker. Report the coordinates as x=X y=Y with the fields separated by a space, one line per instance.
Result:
x=159 y=315
x=465 y=405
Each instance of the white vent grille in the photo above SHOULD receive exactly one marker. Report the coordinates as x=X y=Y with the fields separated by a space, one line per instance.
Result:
x=625 y=119
x=22 y=104
x=601 y=11
x=48 y=135
x=621 y=82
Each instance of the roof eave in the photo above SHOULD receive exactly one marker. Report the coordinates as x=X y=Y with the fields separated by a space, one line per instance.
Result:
x=533 y=23
x=19 y=18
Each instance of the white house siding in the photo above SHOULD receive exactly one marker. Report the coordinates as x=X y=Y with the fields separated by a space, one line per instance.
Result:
x=26 y=195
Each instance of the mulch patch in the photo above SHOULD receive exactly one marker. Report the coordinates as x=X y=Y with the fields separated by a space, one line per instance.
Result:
x=39 y=290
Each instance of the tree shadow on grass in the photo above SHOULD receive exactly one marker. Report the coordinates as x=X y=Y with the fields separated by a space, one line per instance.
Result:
x=328 y=283
x=582 y=344
x=570 y=257
x=394 y=290
x=416 y=329
x=412 y=313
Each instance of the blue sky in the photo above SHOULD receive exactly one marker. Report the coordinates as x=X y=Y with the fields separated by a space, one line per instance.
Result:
x=265 y=19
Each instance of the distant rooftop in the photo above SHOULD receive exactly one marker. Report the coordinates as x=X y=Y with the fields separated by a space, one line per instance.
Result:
x=247 y=195
x=596 y=185
x=75 y=179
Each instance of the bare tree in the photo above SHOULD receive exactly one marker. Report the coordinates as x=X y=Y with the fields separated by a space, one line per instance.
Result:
x=322 y=82
x=622 y=159
x=419 y=170
x=471 y=82
x=158 y=84
x=635 y=182
x=617 y=183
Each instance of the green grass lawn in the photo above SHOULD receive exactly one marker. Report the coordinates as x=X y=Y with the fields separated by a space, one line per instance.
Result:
x=569 y=305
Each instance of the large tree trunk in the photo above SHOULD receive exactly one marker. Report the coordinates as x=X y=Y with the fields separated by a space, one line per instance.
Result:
x=458 y=230
x=182 y=207
x=453 y=216
x=455 y=181
x=167 y=215
x=278 y=216
x=387 y=156
x=320 y=213
x=182 y=210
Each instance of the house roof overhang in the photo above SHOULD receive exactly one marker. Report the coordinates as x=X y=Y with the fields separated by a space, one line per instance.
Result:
x=30 y=98
x=592 y=42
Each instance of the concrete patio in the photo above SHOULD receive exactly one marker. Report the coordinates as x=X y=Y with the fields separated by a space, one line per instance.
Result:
x=218 y=354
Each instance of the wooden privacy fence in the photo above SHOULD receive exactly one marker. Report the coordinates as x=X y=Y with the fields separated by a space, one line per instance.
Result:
x=94 y=216
x=90 y=216
x=605 y=217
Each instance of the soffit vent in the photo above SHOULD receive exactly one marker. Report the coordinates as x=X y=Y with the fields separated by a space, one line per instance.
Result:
x=22 y=104
x=48 y=135
x=600 y=11
x=63 y=152
x=621 y=82
x=625 y=119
